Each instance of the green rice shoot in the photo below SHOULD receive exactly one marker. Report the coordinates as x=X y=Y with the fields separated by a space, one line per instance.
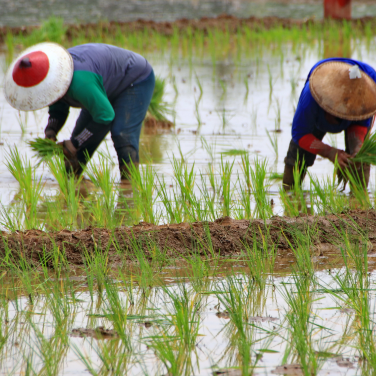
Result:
x=367 y=153
x=44 y=148
x=276 y=176
x=158 y=108
x=235 y=152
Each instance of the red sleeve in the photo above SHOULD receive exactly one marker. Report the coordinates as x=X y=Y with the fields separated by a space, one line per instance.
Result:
x=312 y=144
x=359 y=131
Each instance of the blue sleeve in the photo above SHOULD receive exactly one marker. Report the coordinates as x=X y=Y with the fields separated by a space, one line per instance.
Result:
x=305 y=115
x=365 y=123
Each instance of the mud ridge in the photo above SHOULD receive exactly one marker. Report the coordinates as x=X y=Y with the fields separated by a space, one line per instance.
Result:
x=225 y=237
x=224 y=22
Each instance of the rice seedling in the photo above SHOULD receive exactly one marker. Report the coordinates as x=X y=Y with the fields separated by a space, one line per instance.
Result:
x=260 y=259
x=225 y=173
x=175 y=87
x=274 y=142
x=258 y=185
x=185 y=180
x=209 y=198
x=235 y=295
x=209 y=148
x=223 y=115
x=201 y=90
x=270 y=83
x=326 y=196
x=22 y=121
x=9 y=41
x=353 y=290
x=45 y=148
x=158 y=108
x=116 y=308
x=68 y=191
x=275 y=176
x=142 y=181
x=246 y=84
x=234 y=152
x=277 y=111
x=104 y=210
x=197 y=114
x=30 y=186
x=294 y=202
x=367 y=153
x=301 y=324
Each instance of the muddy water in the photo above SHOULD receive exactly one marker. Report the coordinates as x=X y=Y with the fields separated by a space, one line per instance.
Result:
x=22 y=12
x=230 y=118
x=214 y=347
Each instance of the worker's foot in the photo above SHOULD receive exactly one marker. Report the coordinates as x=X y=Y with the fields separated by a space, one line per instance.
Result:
x=288 y=178
x=126 y=172
x=288 y=182
x=70 y=157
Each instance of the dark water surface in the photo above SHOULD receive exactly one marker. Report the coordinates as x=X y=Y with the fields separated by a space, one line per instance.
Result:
x=24 y=12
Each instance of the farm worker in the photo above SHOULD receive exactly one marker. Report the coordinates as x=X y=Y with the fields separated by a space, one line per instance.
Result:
x=339 y=95
x=113 y=86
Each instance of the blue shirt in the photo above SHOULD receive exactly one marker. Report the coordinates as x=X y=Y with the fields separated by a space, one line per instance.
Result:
x=309 y=116
x=101 y=73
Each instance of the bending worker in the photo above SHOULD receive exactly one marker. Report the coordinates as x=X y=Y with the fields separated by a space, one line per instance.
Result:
x=113 y=87
x=339 y=95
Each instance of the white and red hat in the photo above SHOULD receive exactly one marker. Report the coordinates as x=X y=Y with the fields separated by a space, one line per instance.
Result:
x=40 y=76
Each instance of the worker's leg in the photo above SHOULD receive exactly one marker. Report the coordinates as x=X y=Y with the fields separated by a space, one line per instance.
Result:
x=130 y=110
x=299 y=156
x=362 y=170
x=86 y=137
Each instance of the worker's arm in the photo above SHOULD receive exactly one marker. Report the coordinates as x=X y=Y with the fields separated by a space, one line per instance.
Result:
x=58 y=115
x=313 y=145
x=87 y=88
x=356 y=134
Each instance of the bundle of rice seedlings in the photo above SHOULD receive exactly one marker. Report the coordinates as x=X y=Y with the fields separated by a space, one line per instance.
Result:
x=367 y=153
x=45 y=148
x=158 y=108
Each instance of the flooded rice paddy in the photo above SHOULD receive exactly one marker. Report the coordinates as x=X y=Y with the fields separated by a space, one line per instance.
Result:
x=181 y=328
x=221 y=111
x=148 y=313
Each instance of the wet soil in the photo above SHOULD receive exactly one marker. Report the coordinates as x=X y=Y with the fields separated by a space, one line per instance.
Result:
x=225 y=237
x=224 y=22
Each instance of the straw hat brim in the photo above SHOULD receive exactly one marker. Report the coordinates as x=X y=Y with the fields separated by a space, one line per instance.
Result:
x=52 y=88
x=334 y=91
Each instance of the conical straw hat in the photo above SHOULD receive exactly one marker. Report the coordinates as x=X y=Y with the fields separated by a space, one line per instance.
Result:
x=40 y=76
x=343 y=90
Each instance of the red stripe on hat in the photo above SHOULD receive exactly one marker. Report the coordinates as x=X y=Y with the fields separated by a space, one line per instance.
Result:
x=31 y=69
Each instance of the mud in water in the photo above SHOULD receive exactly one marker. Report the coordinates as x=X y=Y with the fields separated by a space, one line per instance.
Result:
x=98 y=333
x=224 y=237
x=223 y=22
x=153 y=126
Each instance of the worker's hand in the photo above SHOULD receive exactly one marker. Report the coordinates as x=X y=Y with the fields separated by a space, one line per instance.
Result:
x=68 y=148
x=342 y=157
x=49 y=133
x=70 y=156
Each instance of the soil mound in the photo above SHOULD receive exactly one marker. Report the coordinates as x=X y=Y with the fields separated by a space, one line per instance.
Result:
x=224 y=237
